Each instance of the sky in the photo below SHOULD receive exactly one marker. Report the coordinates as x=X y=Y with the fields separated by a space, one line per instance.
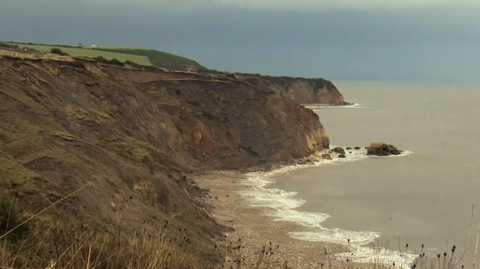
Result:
x=333 y=39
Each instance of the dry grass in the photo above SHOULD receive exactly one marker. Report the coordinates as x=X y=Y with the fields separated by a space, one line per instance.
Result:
x=60 y=244
x=30 y=243
x=69 y=246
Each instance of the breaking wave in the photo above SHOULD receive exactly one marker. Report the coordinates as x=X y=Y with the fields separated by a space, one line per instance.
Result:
x=283 y=205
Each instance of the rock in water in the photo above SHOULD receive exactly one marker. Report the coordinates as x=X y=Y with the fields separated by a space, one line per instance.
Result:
x=382 y=149
x=339 y=150
x=327 y=157
x=342 y=156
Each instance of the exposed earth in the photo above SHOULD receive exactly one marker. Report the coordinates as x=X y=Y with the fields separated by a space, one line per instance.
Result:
x=133 y=137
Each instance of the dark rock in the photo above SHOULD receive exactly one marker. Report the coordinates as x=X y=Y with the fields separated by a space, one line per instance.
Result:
x=327 y=157
x=339 y=150
x=357 y=148
x=348 y=148
x=349 y=152
x=382 y=149
x=342 y=156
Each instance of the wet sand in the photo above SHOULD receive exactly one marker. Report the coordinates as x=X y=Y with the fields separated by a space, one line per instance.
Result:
x=260 y=237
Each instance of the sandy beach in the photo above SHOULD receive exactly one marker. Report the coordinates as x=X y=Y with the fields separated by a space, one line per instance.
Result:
x=257 y=237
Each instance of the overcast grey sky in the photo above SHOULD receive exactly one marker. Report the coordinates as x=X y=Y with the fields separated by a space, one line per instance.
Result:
x=335 y=39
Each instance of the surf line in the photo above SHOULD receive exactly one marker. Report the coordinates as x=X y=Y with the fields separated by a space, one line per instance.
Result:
x=282 y=207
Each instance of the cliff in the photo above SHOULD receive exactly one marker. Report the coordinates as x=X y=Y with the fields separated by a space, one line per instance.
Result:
x=133 y=136
x=302 y=90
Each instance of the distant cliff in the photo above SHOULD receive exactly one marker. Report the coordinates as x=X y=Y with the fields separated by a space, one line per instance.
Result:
x=302 y=90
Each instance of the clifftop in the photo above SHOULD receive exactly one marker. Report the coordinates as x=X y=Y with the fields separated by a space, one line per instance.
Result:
x=133 y=137
x=141 y=56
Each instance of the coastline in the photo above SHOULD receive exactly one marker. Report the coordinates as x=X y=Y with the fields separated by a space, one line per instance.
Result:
x=253 y=231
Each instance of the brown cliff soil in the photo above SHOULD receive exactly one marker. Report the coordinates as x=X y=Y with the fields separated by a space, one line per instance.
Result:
x=132 y=138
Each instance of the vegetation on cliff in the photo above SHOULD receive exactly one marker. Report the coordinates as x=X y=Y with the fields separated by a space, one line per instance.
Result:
x=109 y=151
x=146 y=57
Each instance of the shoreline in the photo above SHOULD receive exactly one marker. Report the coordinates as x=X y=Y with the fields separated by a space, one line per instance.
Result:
x=254 y=231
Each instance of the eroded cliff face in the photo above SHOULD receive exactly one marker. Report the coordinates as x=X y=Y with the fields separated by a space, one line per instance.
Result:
x=133 y=137
x=302 y=90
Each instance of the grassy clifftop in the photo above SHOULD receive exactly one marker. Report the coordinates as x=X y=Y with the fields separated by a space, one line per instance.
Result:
x=141 y=56
x=158 y=58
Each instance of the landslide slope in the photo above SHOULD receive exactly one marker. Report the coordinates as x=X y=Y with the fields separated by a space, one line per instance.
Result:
x=133 y=136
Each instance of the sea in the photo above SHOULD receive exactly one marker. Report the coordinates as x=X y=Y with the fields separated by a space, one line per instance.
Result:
x=387 y=209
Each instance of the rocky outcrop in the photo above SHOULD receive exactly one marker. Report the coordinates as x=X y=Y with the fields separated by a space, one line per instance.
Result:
x=327 y=157
x=382 y=149
x=338 y=150
x=302 y=90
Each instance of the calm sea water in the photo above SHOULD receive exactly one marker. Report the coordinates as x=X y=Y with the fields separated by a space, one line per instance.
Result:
x=425 y=197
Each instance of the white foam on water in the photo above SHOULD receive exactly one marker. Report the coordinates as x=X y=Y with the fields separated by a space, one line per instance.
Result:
x=352 y=106
x=357 y=244
x=284 y=203
x=339 y=236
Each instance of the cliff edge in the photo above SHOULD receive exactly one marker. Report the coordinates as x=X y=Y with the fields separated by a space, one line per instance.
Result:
x=131 y=137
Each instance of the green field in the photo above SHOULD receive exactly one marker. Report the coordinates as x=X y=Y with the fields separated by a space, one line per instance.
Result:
x=91 y=53
x=141 y=56
x=158 y=58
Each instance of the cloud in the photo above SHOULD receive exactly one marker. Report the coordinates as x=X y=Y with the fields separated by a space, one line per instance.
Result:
x=315 y=5
x=345 y=43
x=348 y=4
x=161 y=5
